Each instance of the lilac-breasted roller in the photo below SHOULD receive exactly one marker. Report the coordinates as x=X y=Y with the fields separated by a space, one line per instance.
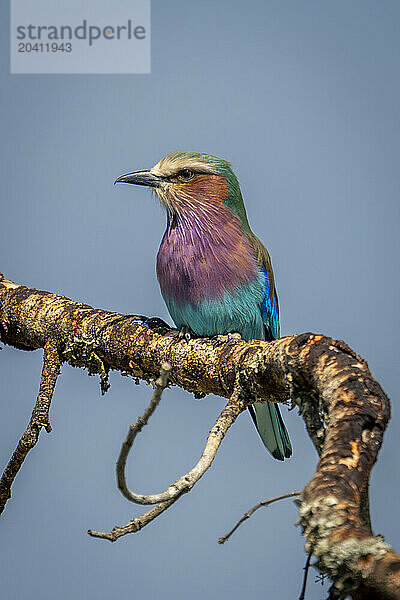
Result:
x=215 y=274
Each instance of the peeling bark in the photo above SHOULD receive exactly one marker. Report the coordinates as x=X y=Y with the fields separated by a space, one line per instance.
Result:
x=344 y=408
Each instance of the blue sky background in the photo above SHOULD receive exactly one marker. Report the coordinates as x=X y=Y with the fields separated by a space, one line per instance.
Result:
x=303 y=99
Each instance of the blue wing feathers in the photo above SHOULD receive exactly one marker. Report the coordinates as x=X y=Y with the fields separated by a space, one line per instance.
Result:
x=267 y=417
x=270 y=309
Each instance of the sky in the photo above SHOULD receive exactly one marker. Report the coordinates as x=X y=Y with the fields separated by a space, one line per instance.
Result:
x=302 y=98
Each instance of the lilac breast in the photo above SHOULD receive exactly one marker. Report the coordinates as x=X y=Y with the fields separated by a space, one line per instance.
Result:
x=204 y=255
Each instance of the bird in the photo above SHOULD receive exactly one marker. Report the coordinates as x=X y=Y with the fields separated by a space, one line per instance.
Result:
x=215 y=275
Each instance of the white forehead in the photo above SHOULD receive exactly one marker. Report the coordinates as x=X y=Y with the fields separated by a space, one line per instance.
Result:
x=173 y=163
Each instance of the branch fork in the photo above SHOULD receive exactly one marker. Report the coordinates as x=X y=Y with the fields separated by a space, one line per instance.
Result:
x=184 y=484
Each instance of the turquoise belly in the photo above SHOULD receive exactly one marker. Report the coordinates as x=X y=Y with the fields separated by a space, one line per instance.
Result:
x=237 y=311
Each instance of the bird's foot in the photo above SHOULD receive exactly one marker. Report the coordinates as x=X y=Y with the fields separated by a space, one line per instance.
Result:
x=226 y=337
x=234 y=336
x=185 y=333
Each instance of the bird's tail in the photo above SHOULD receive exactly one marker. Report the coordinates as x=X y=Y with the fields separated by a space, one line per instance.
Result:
x=269 y=423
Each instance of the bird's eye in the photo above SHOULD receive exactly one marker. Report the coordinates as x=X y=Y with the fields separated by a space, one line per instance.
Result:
x=186 y=174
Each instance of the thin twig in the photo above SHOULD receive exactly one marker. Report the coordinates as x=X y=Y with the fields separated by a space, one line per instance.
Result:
x=40 y=418
x=135 y=428
x=248 y=514
x=133 y=526
x=137 y=523
x=184 y=484
x=306 y=569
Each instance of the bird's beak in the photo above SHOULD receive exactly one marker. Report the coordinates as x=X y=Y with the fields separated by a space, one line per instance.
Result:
x=140 y=178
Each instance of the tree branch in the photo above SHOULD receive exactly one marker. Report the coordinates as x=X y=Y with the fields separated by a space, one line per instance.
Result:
x=133 y=526
x=39 y=419
x=185 y=483
x=135 y=428
x=345 y=409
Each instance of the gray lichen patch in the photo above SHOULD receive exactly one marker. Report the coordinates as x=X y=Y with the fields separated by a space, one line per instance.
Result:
x=347 y=555
x=319 y=520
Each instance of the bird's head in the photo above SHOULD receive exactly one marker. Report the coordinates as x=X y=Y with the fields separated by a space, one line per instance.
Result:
x=188 y=181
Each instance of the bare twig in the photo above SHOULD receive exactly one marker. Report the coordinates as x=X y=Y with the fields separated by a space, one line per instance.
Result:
x=135 y=428
x=306 y=569
x=248 y=514
x=133 y=526
x=185 y=483
x=39 y=419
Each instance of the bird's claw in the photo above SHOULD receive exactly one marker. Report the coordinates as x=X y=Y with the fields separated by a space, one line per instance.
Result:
x=227 y=337
x=185 y=334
